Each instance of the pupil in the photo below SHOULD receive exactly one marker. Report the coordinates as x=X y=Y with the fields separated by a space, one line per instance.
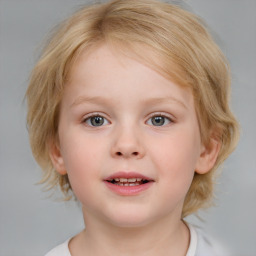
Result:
x=97 y=121
x=158 y=120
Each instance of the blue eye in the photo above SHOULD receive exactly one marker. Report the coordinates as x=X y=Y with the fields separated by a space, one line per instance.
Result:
x=96 y=121
x=159 y=120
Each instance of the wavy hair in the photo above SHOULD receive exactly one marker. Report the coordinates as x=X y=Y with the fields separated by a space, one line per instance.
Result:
x=183 y=51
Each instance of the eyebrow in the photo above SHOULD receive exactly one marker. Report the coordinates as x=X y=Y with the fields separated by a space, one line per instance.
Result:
x=165 y=99
x=103 y=100
x=85 y=99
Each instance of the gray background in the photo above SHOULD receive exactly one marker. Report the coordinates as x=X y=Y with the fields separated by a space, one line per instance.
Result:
x=31 y=223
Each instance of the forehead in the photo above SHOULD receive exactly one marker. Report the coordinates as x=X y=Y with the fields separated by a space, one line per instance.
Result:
x=109 y=71
x=152 y=58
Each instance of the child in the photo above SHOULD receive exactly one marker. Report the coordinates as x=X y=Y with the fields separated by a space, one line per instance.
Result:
x=128 y=109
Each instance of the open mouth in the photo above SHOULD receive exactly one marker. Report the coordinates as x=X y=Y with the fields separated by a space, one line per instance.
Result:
x=128 y=182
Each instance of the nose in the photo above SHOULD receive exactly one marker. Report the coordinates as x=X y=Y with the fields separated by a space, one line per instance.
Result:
x=127 y=144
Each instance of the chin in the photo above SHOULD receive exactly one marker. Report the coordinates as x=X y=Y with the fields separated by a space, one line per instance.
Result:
x=130 y=219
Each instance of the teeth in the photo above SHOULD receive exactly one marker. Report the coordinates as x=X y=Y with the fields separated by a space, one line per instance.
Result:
x=135 y=184
x=128 y=184
x=128 y=180
x=132 y=180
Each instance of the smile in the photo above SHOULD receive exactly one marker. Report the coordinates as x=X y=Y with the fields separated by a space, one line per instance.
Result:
x=128 y=182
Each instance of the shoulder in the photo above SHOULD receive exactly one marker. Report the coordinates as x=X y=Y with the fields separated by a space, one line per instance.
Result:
x=60 y=250
x=203 y=245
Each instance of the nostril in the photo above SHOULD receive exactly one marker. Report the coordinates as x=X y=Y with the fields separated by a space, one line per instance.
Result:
x=133 y=153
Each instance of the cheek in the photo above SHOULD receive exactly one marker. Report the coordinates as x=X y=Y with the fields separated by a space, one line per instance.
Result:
x=80 y=150
x=178 y=150
x=82 y=158
x=175 y=158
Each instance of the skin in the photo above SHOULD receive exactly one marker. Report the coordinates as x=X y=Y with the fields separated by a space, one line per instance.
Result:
x=127 y=95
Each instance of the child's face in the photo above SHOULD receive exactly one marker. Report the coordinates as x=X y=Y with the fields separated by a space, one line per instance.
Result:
x=121 y=119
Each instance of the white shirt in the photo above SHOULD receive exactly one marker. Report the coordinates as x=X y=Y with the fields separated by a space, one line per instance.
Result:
x=199 y=246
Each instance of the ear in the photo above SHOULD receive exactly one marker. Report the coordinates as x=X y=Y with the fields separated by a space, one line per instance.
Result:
x=57 y=159
x=208 y=156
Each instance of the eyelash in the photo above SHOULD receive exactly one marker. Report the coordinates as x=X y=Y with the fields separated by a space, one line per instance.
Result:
x=94 y=115
x=148 y=121
x=162 y=115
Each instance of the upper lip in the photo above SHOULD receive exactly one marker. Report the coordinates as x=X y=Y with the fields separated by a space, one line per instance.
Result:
x=127 y=175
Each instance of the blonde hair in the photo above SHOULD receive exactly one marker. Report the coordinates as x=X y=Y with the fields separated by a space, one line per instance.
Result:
x=188 y=56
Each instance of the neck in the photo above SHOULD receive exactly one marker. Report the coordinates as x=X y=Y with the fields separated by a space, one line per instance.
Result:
x=164 y=237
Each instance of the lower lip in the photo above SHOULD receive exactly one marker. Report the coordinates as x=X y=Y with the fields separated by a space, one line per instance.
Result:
x=128 y=190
